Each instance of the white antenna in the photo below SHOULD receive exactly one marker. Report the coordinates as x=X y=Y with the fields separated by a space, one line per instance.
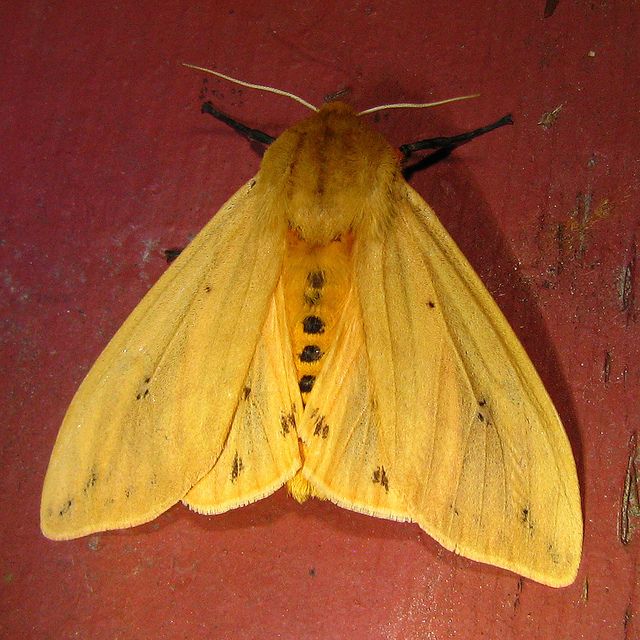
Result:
x=260 y=87
x=415 y=105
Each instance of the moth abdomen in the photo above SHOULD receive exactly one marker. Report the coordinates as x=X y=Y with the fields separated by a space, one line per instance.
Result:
x=317 y=280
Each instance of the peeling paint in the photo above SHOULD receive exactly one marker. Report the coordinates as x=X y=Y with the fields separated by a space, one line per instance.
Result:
x=150 y=246
x=548 y=118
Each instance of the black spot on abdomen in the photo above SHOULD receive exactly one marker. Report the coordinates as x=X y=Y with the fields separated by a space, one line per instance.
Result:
x=313 y=325
x=312 y=297
x=306 y=383
x=310 y=353
x=316 y=279
x=313 y=291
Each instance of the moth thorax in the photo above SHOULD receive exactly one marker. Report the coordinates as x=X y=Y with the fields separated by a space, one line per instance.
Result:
x=328 y=173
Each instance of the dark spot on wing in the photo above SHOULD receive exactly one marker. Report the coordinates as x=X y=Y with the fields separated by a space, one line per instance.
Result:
x=482 y=402
x=321 y=429
x=480 y=417
x=306 y=383
x=236 y=467
x=144 y=392
x=312 y=572
x=287 y=422
x=313 y=324
x=207 y=288
x=380 y=477
x=310 y=353
x=91 y=481
x=553 y=553
x=431 y=304
x=525 y=518
x=246 y=392
x=66 y=507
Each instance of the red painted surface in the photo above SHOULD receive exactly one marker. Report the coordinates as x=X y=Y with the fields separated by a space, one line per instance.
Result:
x=106 y=161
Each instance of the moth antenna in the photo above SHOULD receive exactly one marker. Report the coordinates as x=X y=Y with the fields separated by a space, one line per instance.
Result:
x=250 y=85
x=415 y=105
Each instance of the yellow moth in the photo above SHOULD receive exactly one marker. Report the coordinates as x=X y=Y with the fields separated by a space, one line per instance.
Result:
x=324 y=332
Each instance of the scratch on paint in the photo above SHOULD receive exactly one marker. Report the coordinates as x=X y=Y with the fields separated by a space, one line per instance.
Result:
x=584 y=596
x=627 y=622
x=606 y=369
x=630 y=507
x=626 y=294
x=516 y=599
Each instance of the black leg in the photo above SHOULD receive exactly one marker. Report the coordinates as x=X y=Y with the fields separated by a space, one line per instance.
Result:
x=452 y=141
x=254 y=135
x=172 y=253
x=444 y=146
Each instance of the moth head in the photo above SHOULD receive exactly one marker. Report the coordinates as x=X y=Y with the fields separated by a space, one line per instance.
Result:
x=327 y=173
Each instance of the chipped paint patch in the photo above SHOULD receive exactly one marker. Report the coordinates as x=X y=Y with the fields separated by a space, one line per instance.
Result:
x=572 y=236
x=150 y=246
